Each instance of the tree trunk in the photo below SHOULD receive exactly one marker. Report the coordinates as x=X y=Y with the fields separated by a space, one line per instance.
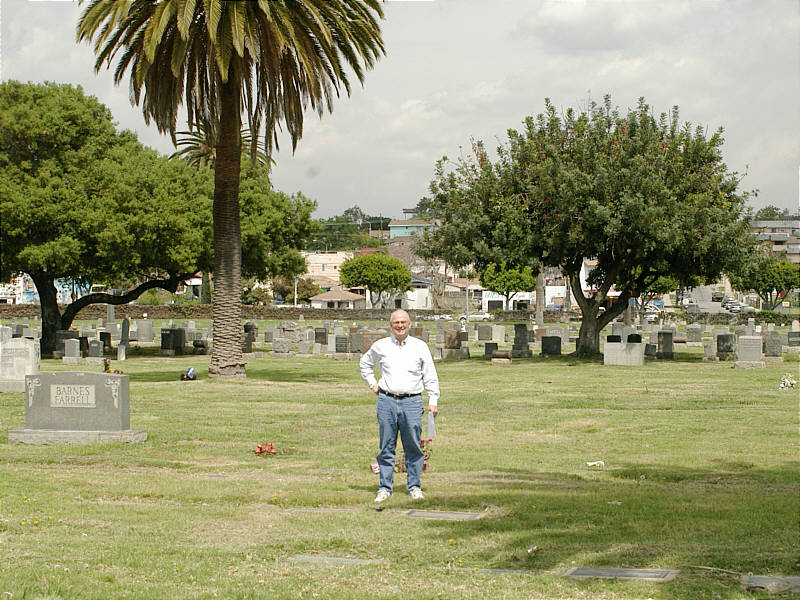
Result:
x=51 y=316
x=226 y=297
x=540 y=299
x=589 y=334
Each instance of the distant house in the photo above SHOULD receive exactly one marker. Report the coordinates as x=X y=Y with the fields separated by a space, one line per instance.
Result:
x=409 y=227
x=338 y=298
x=325 y=264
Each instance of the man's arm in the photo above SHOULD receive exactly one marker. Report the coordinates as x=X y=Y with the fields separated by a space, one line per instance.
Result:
x=430 y=380
x=367 y=365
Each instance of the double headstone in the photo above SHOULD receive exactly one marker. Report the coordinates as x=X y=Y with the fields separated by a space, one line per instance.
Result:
x=80 y=407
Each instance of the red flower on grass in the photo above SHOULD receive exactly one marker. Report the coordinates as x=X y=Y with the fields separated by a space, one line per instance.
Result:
x=268 y=448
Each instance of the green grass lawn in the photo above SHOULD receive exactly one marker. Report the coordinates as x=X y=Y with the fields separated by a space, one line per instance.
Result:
x=701 y=470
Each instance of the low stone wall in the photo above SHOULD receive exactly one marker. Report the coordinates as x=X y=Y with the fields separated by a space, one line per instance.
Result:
x=203 y=311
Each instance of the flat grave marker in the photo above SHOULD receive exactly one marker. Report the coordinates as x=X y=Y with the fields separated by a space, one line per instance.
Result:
x=443 y=515
x=655 y=575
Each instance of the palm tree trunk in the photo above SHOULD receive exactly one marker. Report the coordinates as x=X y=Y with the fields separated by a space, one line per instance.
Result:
x=226 y=298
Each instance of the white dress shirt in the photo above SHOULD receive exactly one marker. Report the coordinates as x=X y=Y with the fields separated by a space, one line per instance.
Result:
x=406 y=367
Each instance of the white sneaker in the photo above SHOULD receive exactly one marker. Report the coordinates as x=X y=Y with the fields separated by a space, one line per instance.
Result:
x=383 y=494
x=416 y=493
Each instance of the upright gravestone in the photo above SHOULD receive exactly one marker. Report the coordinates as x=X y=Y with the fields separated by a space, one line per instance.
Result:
x=145 y=331
x=749 y=355
x=95 y=351
x=489 y=348
x=105 y=337
x=666 y=348
x=61 y=335
x=793 y=339
x=694 y=333
x=520 y=347
x=76 y=408
x=370 y=337
x=281 y=346
x=320 y=335
x=342 y=344
x=452 y=340
x=709 y=350
x=72 y=352
x=551 y=345
x=773 y=346
x=5 y=334
x=726 y=346
x=630 y=353
x=125 y=333
x=110 y=317
x=356 y=341
x=247 y=341
x=19 y=357
x=172 y=341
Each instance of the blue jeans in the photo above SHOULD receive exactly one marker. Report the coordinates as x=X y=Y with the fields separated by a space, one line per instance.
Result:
x=405 y=415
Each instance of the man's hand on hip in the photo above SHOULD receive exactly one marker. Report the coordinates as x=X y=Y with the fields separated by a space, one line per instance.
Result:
x=375 y=388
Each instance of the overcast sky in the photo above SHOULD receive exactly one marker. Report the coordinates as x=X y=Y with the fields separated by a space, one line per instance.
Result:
x=458 y=69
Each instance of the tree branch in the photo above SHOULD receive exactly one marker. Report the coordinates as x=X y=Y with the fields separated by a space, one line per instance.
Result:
x=170 y=285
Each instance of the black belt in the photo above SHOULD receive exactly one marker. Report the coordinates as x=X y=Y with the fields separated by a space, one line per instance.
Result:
x=398 y=395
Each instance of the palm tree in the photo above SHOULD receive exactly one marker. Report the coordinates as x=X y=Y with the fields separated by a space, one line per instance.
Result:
x=198 y=147
x=269 y=58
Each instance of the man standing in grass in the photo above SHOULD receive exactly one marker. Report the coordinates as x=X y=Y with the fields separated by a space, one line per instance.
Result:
x=406 y=369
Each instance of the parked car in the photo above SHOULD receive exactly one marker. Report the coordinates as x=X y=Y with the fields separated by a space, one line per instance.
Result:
x=734 y=307
x=442 y=317
x=651 y=313
x=476 y=316
x=717 y=296
x=748 y=309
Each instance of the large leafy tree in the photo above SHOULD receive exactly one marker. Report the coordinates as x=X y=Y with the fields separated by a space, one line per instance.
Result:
x=268 y=58
x=643 y=196
x=86 y=203
x=378 y=272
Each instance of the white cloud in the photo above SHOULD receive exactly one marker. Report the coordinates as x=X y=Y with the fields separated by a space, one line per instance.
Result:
x=461 y=68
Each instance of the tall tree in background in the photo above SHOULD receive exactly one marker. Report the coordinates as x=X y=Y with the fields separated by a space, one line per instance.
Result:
x=379 y=273
x=270 y=59
x=643 y=196
x=507 y=281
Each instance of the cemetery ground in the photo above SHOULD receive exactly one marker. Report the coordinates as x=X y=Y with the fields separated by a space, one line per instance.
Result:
x=700 y=475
